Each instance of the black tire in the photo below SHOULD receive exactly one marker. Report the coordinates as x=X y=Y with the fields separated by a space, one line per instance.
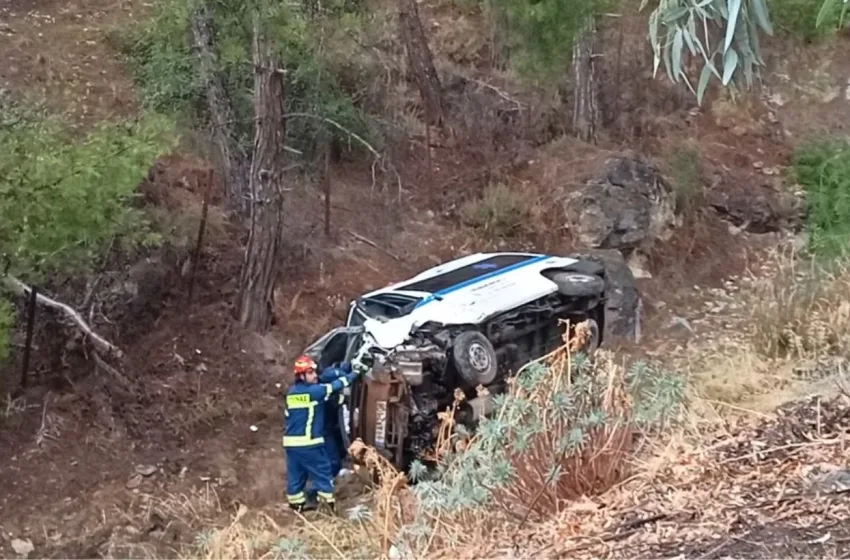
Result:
x=576 y=284
x=475 y=358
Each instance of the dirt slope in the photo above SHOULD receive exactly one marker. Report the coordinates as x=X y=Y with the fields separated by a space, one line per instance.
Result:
x=69 y=467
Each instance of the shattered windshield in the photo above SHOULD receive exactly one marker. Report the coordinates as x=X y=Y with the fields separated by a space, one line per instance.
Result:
x=384 y=307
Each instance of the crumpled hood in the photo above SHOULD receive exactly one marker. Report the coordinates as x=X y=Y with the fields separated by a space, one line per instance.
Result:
x=390 y=334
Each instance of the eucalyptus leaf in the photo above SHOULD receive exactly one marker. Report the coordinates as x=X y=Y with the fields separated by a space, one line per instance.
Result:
x=732 y=22
x=730 y=62
x=677 y=53
x=760 y=10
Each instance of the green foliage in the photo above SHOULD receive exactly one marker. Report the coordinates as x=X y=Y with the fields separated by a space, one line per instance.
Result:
x=546 y=424
x=289 y=548
x=6 y=322
x=161 y=60
x=685 y=173
x=501 y=210
x=833 y=12
x=678 y=28
x=801 y=18
x=540 y=34
x=62 y=200
x=823 y=169
x=724 y=34
x=165 y=67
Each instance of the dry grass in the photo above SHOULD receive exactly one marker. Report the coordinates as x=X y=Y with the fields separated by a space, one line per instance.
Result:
x=802 y=313
x=785 y=335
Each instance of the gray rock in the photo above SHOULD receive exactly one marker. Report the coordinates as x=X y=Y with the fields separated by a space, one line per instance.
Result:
x=680 y=325
x=628 y=205
x=622 y=310
x=756 y=208
x=134 y=482
x=639 y=265
x=22 y=547
x=145 y=470
x=837 y=480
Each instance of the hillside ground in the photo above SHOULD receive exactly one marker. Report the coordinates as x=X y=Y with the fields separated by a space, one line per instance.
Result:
x=203 y=411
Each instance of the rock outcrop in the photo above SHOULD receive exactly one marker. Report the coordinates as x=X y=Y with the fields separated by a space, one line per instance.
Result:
x=622 y=310
x=627 y=206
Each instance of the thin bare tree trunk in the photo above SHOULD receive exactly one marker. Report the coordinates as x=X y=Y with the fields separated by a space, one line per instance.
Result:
x=262 y=262
x=585 y=107
x=234 y=160
x=421 y=61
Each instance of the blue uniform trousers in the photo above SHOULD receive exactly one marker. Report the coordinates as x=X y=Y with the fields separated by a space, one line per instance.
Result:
x=308 y=462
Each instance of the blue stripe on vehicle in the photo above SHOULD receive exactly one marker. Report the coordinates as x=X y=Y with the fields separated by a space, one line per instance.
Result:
x=479 y=279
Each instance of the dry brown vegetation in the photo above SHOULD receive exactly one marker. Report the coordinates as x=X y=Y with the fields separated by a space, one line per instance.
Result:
x=759 y=477
x=732 y=477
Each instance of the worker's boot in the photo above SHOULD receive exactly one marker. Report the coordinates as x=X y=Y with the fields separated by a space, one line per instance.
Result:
x=328 y=508
x=302 y=508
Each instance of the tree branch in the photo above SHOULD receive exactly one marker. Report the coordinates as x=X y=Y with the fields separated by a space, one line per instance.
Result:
x=21 y=289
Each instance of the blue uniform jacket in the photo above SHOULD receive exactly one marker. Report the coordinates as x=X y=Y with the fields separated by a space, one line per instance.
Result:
x=331 y=373
x=305 y=410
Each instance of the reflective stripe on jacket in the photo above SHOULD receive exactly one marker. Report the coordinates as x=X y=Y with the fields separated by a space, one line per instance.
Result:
x=305 y=411
x=327 y=376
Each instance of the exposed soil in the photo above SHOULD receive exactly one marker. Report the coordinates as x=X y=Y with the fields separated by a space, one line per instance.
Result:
x=194 y=385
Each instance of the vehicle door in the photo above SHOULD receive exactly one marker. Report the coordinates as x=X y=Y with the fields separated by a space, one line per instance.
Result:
x=336 y=346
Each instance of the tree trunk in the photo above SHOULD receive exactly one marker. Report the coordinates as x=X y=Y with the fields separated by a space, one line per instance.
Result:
x=262 y=262
x=234 y=160
x=420 y=61
x=585 y=108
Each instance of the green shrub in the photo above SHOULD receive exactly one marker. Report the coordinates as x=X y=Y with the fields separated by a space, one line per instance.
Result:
x=62 y=200
x=500 y=210
x=823 y=169
x=685 y=172
x=798 y=18
x=6 y=322
x=563 y=430
x=539 y=35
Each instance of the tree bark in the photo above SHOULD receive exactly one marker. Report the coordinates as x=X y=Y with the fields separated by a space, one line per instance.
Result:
x=585 y=107
x=420 y=61
x=234 y=160
x=262 y=262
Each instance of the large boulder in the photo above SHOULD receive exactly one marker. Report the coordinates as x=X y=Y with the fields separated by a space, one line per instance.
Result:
x=623 y=305
x=757 y=208
x=626 y=206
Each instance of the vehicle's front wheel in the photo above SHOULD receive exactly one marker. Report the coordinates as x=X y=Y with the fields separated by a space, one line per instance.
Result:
x=475 y=358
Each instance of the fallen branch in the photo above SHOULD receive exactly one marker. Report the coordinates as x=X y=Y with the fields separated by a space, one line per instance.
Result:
x=351 y=134
x=21 y=289
x=371 y=243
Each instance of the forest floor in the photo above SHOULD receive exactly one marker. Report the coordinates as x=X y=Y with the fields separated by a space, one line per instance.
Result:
x=89 y=472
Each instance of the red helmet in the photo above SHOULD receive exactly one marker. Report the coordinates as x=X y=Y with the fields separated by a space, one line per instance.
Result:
x=303 y=365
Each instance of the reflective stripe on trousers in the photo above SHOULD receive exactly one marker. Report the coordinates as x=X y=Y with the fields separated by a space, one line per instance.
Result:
x=296 y=499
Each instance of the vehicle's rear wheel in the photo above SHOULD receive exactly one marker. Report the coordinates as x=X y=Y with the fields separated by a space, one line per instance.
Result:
x=576 y=284
x=475 y=358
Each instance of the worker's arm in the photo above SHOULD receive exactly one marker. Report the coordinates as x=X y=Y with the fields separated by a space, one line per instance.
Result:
x=334 y=372
x=323 y=391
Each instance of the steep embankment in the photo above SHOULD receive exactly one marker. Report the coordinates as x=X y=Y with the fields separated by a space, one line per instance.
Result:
x=100 y=467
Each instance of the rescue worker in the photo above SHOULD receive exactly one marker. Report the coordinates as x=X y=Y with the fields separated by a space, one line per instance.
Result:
x=303 y=440
x=334 y=442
